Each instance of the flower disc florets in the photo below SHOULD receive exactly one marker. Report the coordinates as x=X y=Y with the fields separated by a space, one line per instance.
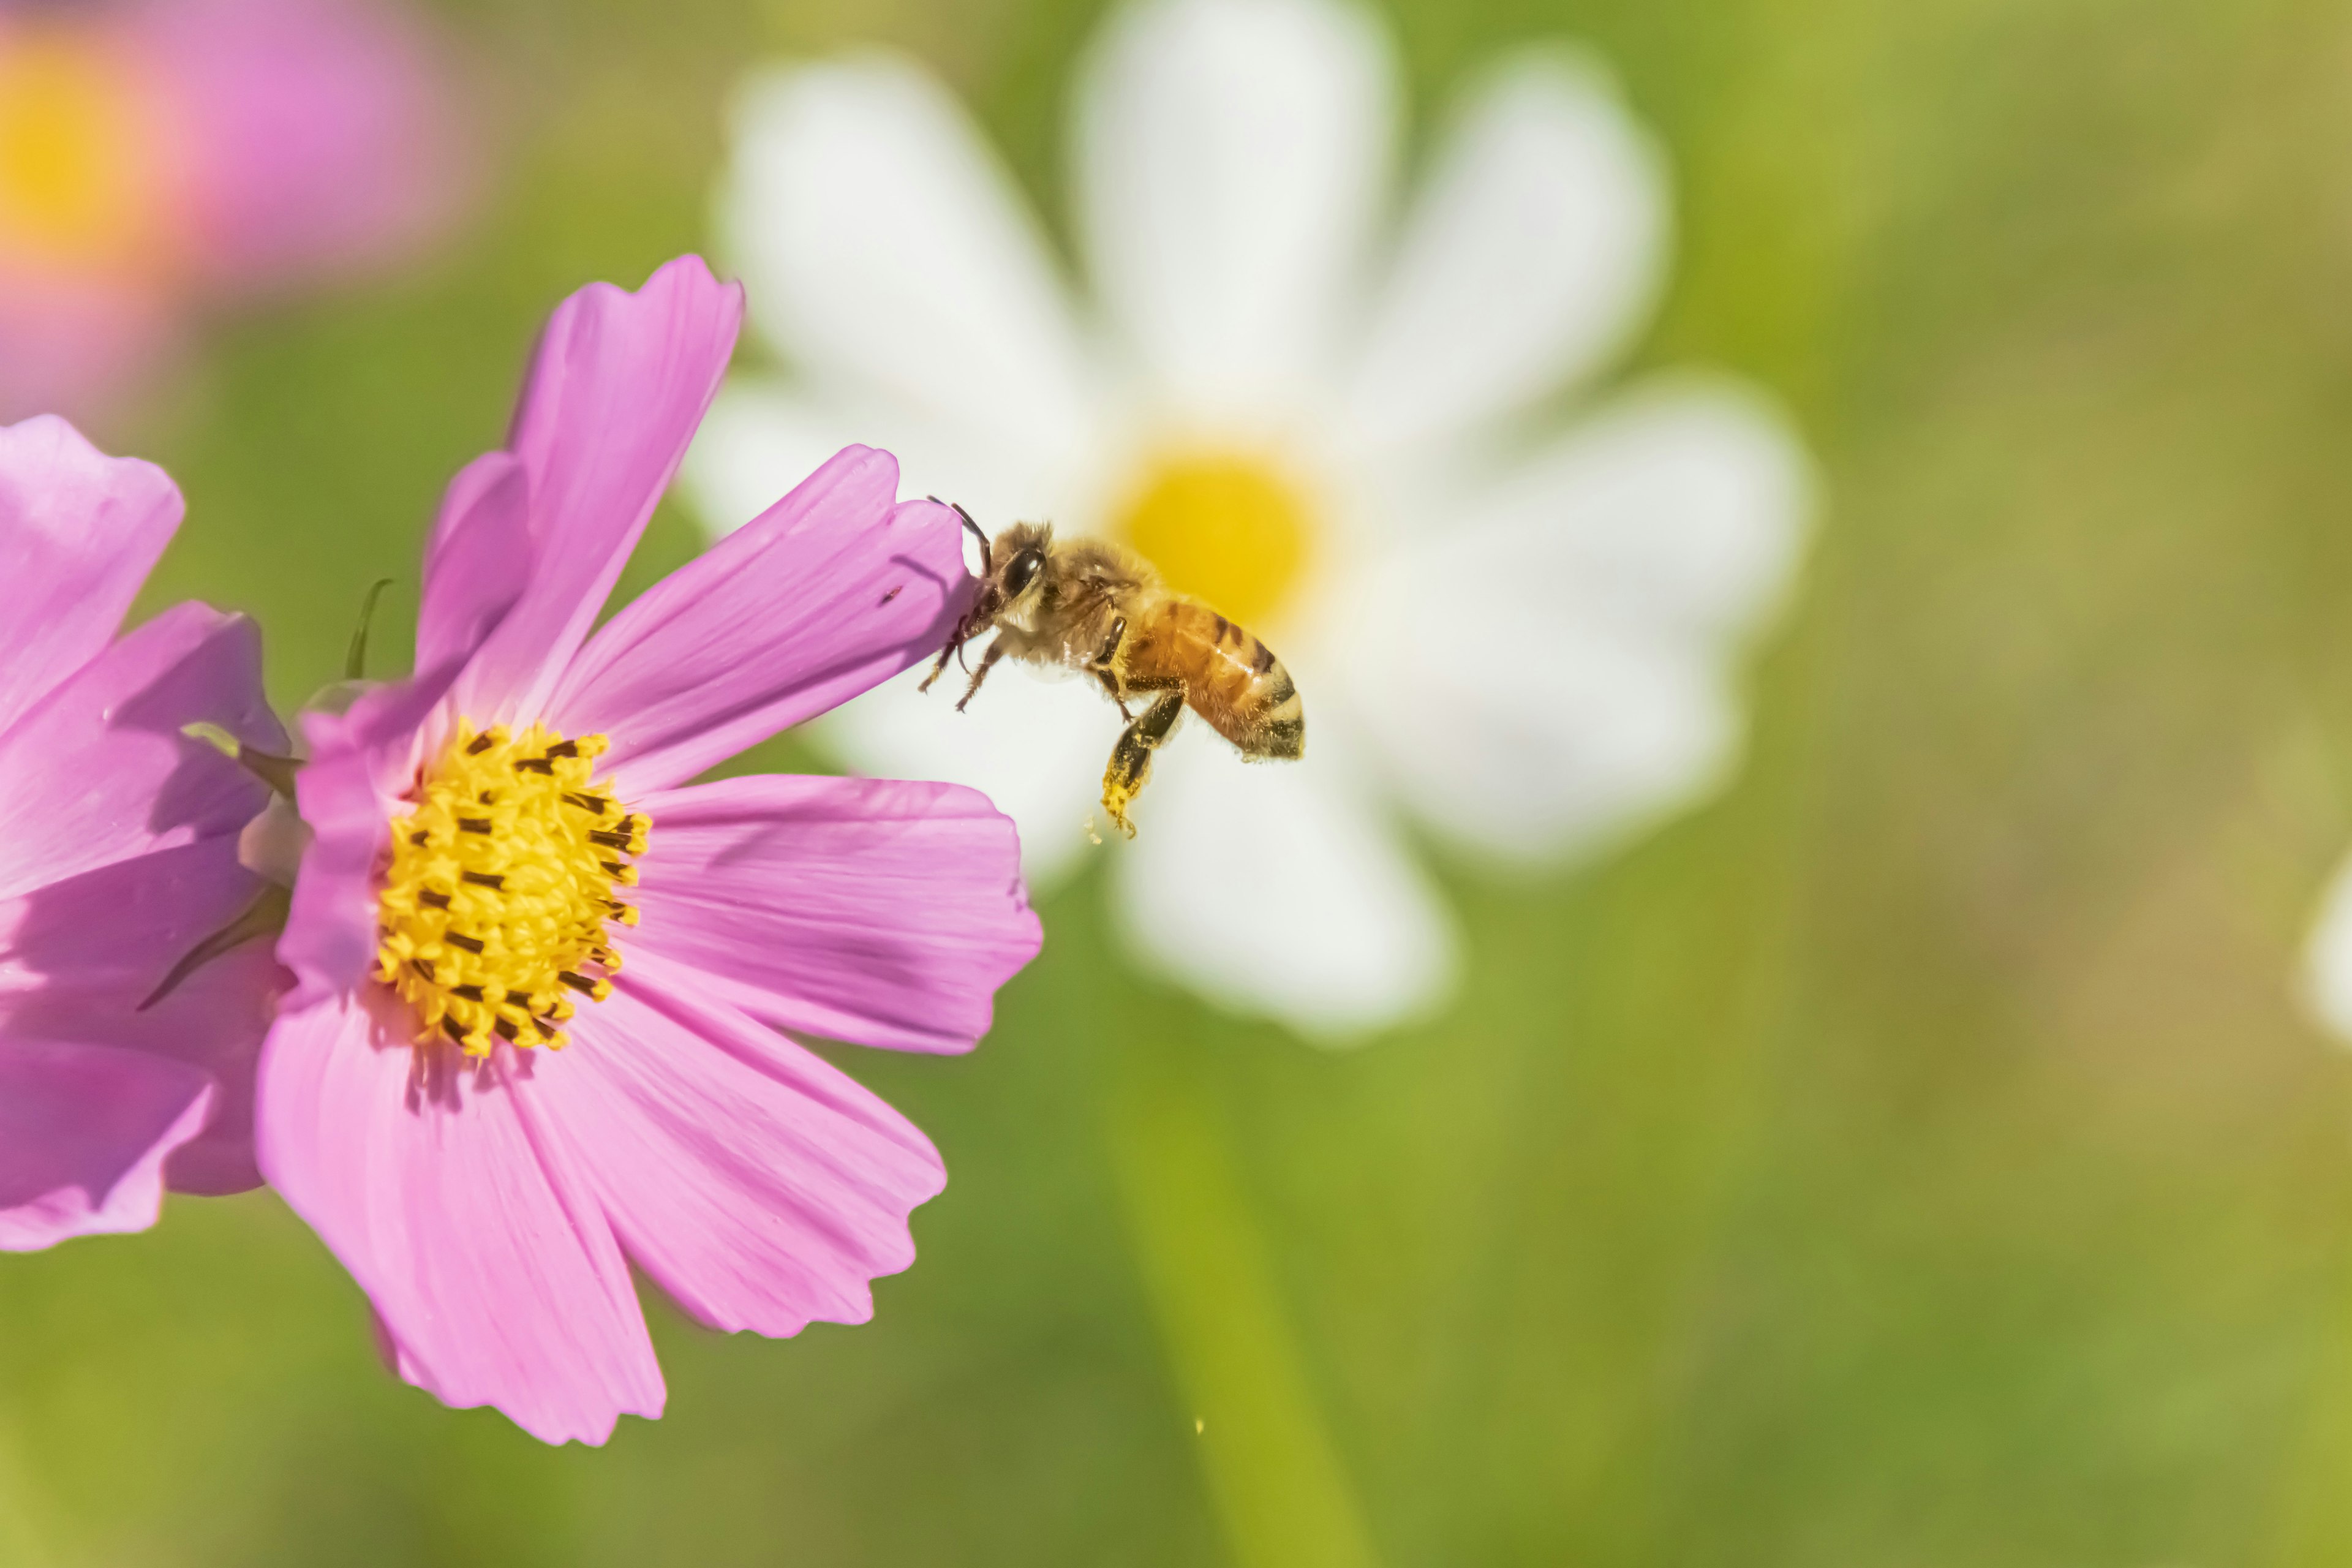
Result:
x=493 y=909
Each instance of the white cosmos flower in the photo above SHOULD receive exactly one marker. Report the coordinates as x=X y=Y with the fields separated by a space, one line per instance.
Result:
x=1313 y=415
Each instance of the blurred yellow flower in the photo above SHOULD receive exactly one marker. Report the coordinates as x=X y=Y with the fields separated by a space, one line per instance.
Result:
x=81 y=181
x=158 y=157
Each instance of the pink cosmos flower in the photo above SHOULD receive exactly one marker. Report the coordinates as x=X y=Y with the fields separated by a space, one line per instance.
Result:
x=117 y=854
x=155 y=154
x=530 y=1042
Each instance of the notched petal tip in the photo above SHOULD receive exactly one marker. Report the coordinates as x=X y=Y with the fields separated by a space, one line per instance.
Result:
x=617 y=386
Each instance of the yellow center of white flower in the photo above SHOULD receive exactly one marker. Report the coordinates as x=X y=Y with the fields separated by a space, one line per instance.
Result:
x=492 y=915
x=1228 y=528
x=80 y=179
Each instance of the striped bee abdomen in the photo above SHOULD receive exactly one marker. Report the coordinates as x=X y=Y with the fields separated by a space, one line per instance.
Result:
x=1230 y=679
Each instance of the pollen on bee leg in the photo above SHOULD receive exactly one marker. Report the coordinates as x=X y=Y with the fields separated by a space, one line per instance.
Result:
x=491 y=918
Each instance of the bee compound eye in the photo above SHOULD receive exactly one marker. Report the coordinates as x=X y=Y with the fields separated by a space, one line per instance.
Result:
x=1022 y=571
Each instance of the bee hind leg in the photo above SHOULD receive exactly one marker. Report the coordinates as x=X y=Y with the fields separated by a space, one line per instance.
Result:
x=1130 y=759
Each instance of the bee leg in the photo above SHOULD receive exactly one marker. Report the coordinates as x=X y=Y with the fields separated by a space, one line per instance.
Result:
x=1108 y=653
x=939 y=666
x=1130 y=759
x=1110 y=684
x=1104 y=666
x=987 y=662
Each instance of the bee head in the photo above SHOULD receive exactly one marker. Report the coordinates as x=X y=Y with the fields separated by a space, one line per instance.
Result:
x=1013 y=577
x=1017 y=566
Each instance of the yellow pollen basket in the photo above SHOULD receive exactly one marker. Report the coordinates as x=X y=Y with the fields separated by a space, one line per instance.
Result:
x=81 y=173
x=492 y=915
x=1230 y=529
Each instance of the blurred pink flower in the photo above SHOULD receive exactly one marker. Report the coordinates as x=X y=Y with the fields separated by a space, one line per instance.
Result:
x=156 y=155
x=117 y=854
x=474 y=886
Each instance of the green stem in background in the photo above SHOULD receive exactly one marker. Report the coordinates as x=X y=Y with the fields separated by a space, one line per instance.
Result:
x=1277 y=1484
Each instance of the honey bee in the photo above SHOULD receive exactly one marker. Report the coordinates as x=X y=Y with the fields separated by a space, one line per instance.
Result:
x=1099 y=608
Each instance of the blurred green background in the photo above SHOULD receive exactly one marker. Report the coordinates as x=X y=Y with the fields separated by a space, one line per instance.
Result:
x=1916 y=1157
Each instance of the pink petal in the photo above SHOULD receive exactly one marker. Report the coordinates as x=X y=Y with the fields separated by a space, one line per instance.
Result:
x=215 y=1022
x=484 y=1255
x=360 y=759
x=126 y=858
x=615 y=394
x=77 y=957
x=84 y=1132
x=116 y=929
x=98 y=770
x=312 y=134
x=882 y=913
x=79 y=532
x=833 y=590
x=477 y=562
x=756 y=1185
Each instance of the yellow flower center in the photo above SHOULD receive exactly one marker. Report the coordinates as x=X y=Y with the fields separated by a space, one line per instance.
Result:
x=492 y=914
x=1230 y=529
x=80 y=177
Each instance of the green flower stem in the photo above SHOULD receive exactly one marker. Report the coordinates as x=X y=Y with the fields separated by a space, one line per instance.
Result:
x=1277 y=1484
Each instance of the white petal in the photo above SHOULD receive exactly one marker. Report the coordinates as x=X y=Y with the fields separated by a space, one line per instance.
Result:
x=1277 y=888
x=1681 y=506
x=1035 y=745
x=1230 y=157
x=1558 y=669
x=2328 y=961
x=1536 y=247
x=1561 y=743
x=889 y=255
x=757 y=442
x=761 y=437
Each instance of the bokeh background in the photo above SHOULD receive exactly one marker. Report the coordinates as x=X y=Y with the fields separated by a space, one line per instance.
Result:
x=1916 y=1156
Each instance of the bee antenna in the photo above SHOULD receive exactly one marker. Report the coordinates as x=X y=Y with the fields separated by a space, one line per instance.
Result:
x=987 y=552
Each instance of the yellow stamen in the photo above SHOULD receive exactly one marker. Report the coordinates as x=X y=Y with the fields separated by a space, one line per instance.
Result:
x=1231 y=529
x=492 y=915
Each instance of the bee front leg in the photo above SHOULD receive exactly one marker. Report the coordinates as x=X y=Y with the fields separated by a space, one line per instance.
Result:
x=939 y=666
x=987 y=662
x=966 y=629
x=1130 y=759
